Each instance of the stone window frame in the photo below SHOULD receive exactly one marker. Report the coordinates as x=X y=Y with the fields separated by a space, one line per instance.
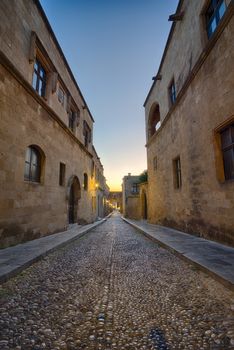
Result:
x=87 y=133
x=37 y=52
x=154 y=119
x=86 y=181
x=73 y=114
x=61 y=93
x=135 y=188
x=218 y=152
x=205 y=39
x=39 y=177
x=94 y=204
x=172 y=93
x=177 y=173
x=155 y=163
x=92 y=168
x=215 y=16
x=39 y=79
x=62 y=174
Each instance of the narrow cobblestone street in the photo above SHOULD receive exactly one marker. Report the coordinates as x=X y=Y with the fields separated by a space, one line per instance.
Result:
x=115 y=289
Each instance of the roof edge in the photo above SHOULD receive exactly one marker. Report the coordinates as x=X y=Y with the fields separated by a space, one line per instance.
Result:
x=165 y=50
x=47 y=23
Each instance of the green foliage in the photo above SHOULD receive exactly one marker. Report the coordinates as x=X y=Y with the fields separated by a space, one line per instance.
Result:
x=143 y=177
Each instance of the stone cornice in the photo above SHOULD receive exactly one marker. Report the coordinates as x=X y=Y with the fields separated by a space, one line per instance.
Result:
x=18 y=76
x=205 y=53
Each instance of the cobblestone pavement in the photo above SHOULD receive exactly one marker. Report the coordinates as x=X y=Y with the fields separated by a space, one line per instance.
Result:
x=115 y=289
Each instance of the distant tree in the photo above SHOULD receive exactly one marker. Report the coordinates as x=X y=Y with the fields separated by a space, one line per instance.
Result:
x=143 y=177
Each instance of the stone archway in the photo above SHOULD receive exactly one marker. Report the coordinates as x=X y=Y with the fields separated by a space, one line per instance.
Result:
x=73 y=196
x=144 y=206
x=154 y=120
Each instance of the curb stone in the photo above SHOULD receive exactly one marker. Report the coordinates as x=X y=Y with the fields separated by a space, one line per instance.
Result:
x=215 y=275
x=8 y=271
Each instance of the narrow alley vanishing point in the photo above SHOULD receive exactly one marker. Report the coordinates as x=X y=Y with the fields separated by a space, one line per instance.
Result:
x=114 y=289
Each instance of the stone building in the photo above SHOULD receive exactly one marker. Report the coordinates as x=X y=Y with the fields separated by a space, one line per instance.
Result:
x=189 y=114
x=100 y=189
x=134 y=196
x=115 y=200
x=46 y=150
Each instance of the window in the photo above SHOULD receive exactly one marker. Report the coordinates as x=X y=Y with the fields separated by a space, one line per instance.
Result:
x=155 y=163
x=86 y=133
x=71 y=121
x=94 y=203
x=39 y=78
x=214 y=14
x=85 y=182
x=32 y=169
x=227 y=143
x=154 y=120
x=61 y=95
x=172 y=92
x=135 y=188
x=92 y=169
x=62 y=170
x=177 y=173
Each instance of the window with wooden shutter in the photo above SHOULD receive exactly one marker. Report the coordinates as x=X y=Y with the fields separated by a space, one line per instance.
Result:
x=177 y=173
x=32 y=168
x=227 y=143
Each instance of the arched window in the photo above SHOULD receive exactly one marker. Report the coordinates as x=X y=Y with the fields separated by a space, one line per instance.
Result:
x=154 y=120
x=32 y=169
x=85 y=182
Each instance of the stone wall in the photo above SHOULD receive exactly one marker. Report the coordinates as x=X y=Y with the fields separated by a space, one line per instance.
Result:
x=135 y=203
x=18 y=20
x=33 y=209
x=204 y=205
x=29 y=210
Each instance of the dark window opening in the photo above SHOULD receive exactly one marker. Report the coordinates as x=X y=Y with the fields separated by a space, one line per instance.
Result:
x=177 y=173
x=227 y=142
x=39 y=78
x=86 y=133
x=62 y=170
x=85 y=182
x=172 y=92
x=155 y=163
x=71 y=121
x=135 y=188
x=214 y=13
x=92 y=169
x=154 y=121
x=61 y=96
x=32 y=167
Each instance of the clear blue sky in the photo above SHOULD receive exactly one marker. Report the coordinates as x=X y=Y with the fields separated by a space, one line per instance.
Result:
x=114 y=47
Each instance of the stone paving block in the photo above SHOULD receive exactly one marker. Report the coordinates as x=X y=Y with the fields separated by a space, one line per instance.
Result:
x=214 y=258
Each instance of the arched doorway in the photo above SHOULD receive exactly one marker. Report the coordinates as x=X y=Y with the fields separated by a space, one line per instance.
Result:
x=144 y=205
x=154 y=120
x=73 y=196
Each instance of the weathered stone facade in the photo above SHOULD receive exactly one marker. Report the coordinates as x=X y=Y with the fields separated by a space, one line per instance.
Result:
x=135 y=196
x=56 y=123
x=115 y=200
x=100 y=189
x=189 y=105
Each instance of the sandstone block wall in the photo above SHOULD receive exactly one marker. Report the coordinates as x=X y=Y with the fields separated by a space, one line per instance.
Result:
x=204 y=205
x=29 y=210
